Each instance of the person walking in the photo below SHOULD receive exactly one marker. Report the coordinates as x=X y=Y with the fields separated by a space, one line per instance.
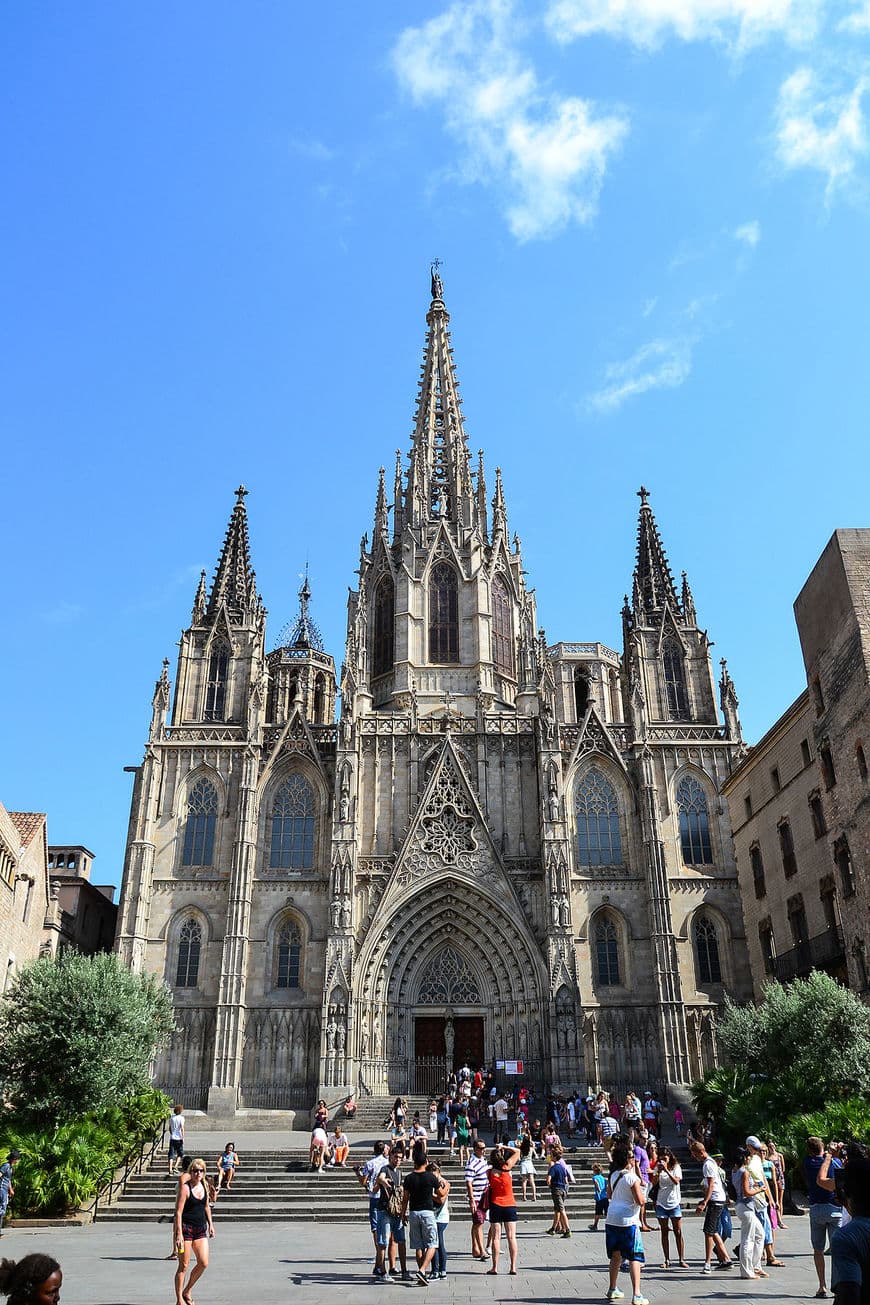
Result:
x=599 y=1187
x=669 y=1208
x=527 y=1163
x=748 y=1190
x=7 y=1187
x=502 y=1204
x=193 y=1227
x=420 y=1190
x=442 y=1219
x=176 y=1137
x=557 y=1178
x=33 y=1280
x=476 y=1186
x=711 y=1206
x=622 y=1221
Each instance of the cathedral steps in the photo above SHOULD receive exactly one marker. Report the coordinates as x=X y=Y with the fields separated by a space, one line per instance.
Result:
x=277 y=1187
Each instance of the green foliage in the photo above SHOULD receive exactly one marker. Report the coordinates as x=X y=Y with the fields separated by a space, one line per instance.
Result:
x=61 y=1168
x=78 y=1035
x=809 y=1040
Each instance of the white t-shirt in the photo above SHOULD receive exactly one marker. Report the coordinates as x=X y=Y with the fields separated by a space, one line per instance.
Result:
x=710 y=1169
x=319 y=1136
x=624 y=1210
x=669 y=1187
x=501 y=1110
x=176 y=1127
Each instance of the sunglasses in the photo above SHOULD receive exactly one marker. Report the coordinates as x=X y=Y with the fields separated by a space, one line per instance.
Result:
x=197 y=1171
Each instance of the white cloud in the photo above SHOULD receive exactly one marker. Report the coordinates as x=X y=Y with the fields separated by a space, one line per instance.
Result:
x=661 y=364
x=548 y=154
x=858 y=21
x=312 y=149
x=646 y=23
x=748 y=234
x=819 y=131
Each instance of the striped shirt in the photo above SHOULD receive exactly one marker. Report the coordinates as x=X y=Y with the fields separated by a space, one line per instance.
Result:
x=477 y=1173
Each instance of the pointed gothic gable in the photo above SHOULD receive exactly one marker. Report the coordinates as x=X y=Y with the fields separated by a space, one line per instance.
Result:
x=668 y=626
x=295 y=739
x=443 y=547
x=594 y=736
x=448 y=833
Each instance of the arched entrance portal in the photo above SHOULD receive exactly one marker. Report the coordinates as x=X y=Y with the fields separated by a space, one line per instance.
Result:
x=452 y=974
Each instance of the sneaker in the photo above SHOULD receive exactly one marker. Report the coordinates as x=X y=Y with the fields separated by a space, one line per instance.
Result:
x=443 y=1273
x=406 y=1276
x=552 y=1232
x=615 y=1294
x=725 y=1264
x=422 y=1280
x=623 y=1268
x=639 y=1300
x=567 y=1234
x=388 y=1277
x=708 y=1268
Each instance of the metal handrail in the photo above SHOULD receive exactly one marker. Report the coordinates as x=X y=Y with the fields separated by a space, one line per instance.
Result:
x=130 y=1166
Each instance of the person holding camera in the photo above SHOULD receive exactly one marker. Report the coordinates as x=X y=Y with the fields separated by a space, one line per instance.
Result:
x=826 y=1211
x=850 y=1245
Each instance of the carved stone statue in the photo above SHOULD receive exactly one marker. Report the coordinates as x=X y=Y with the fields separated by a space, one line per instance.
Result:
x=564 y=911
x=449 y=1039
x=401 y=1046
x=330 y=1036
x=340 y=1039
x=345 y=915
x=364 y=1038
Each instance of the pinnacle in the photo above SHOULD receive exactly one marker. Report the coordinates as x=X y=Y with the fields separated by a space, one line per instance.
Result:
x=653 y=581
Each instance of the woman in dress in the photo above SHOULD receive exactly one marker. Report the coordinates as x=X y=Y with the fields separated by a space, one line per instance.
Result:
x=33 y=1280
x=621 y=1224
x=669 y=1175
x=193 y=1227
x=502 y=1204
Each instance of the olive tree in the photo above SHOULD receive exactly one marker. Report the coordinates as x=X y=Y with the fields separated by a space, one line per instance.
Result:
x=78 y=1033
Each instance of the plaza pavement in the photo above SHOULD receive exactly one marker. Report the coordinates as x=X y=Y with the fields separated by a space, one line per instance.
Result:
x=112 y=1264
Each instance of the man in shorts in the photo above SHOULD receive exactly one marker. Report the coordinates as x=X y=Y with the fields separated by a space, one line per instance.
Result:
x=711 y=1205
x=419 y=1190
x=176 y=1137
x=367 y=1175
x=826 y=1212
x=391 y=1230
x=476 y=1179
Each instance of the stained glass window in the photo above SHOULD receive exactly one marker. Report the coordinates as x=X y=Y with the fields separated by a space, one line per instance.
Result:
x=289 y=954
x=598 y=837
x=189 y=944
x=694 y=822
x=216 y=685
x=502 y=628
x=202 y=805
x=607 y=953
x=674 y=667
x=293 y=811
x=382 y=651
x=443 y=614
x=707 y=951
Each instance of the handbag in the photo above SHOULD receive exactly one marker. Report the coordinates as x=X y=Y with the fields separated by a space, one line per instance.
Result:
x=483 y=1203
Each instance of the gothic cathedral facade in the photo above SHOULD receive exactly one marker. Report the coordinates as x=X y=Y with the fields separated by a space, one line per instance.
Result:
x=504 y=849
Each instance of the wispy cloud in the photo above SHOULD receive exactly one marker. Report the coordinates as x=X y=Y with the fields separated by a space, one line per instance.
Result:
x=547 y=154
x=823 y=131
x=738 y=24
x=660 y=364
x=311 y=148
x=749 y=233
x=858 y=21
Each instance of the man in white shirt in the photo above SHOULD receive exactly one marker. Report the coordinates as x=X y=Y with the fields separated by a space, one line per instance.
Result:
x=500 y=1111
x=711 y=1206
x=176 y=1137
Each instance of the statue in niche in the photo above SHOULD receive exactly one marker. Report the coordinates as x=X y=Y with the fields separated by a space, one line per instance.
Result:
x=564 y=912
x=554 y=907
x=335 y=913
x=449 y=1038
x=340 y=1038
x=364 y=1038
x=330 y=1035
x=401 y=1046
x=345 y=915
x=547 y=726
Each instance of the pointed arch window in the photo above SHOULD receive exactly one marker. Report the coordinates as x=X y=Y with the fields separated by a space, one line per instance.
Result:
x=502 y=628
x=694 y=822
x=581 y=692
x=189 y=947
x=707 y=950
x=598 y=837
x=293 y=812
x=288 y=955
x=674 y=667
x=216 y=684
x=202 y=806
x=607 y=953
x=443 y=614
x=384 y=627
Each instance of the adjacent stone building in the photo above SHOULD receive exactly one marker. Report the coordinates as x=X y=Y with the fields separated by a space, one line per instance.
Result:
x=505 y=849
x=800 y=801
x=28 y=917
x=88 y=914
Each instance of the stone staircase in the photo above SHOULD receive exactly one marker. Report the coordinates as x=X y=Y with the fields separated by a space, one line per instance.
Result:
x=276 y=1187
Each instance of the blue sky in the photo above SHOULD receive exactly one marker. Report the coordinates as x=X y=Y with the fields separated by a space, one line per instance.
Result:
x=216 y=231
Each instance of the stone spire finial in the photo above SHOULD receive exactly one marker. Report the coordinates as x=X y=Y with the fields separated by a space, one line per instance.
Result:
x=653 y=581
x=381 y=510
x=398 y=514
x=232 y=586
x=199 y=602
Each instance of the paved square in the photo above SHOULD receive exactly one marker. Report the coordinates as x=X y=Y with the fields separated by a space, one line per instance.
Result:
x=122 y=1264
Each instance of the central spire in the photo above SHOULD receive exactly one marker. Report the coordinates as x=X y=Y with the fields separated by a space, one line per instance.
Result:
x=439 y=477
x=654 y=586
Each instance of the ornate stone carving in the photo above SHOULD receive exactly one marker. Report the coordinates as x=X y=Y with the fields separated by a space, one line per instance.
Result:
x=447 y=981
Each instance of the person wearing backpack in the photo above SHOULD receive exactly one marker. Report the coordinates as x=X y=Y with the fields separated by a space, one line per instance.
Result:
x=391 y=1227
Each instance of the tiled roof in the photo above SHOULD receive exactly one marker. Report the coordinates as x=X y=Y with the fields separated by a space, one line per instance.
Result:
x=27 y=823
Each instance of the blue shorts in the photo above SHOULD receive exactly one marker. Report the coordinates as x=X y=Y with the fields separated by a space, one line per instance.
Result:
x=390 y=1225
x=423 y=1230
x=675 y=1213
x=627 y=1241
x=374 y=1210
x=824 y=1220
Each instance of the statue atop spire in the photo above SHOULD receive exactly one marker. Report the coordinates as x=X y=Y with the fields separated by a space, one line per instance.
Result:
x=435 y=280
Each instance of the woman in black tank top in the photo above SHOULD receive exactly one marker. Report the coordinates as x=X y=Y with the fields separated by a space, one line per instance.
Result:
x=192 y=1227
